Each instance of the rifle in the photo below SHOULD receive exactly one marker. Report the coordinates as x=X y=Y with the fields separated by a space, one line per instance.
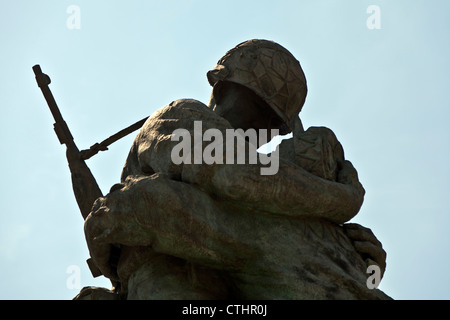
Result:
x=84 y=185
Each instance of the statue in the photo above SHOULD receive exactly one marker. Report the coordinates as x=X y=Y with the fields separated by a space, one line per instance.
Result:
x=190 y=229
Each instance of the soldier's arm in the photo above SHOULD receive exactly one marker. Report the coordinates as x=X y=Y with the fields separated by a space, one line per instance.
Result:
x=173 y=218
x=292 y=191
x=179 y=219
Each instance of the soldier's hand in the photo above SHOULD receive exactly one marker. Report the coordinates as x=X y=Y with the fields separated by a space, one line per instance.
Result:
x=348 y=175
x=98 y=224
x=367 y=245
x=112 y=221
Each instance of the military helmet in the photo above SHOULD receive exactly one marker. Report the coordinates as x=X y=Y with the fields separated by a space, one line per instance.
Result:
x=269 y=70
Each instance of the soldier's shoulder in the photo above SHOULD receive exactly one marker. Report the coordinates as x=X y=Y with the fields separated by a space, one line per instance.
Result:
x=321 y=131
x=321 y=136
x=182 y=109
x=188 y=103
x=182 y=113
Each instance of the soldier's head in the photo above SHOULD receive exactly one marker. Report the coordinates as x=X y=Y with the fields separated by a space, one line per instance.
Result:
x=258 y=84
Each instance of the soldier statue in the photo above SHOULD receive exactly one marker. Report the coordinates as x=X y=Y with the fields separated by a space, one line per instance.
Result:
x=193 y=230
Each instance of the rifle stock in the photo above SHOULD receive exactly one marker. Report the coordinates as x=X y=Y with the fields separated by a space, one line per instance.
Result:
x=84 y=185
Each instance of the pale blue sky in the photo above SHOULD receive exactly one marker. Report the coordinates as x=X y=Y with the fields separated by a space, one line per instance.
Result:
x=383 y=92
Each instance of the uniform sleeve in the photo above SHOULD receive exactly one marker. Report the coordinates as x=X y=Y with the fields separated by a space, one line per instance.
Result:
x=314 y=181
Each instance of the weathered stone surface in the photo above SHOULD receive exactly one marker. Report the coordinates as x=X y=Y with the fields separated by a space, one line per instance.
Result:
x=220 y=230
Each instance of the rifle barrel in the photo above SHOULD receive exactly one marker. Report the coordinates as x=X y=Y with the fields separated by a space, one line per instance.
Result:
x=60 y=126
x=102 y=146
